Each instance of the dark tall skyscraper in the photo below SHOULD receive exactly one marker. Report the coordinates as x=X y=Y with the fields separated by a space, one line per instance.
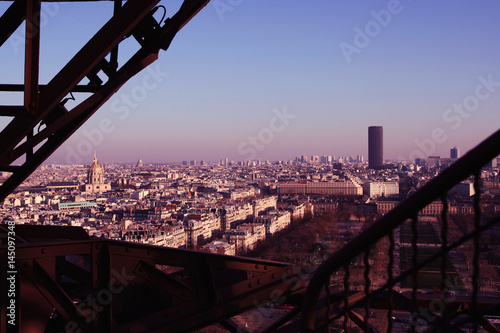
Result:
x=375 y=147
x=455 y=152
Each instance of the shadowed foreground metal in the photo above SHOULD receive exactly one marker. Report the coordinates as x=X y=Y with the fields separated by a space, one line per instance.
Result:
x=69 y=282
x=437 y=188
x=97 y=285
x=43 y=123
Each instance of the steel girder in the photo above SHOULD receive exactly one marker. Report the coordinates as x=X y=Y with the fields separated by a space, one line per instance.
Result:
x=113 y=286
x=43 y=123
x=437 y=187
x=104 y=286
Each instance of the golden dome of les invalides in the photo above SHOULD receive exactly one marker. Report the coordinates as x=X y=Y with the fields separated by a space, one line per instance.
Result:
x=95 y=178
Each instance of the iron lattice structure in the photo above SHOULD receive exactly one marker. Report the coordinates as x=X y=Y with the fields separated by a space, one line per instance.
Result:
x=170 y=290
x=65 y=278
x=69 y=282
x=43 y=123
x=453 y=313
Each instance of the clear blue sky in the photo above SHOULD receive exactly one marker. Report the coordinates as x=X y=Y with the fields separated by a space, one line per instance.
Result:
x=335 y=67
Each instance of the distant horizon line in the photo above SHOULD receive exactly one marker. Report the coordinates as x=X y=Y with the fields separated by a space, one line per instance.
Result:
x=365 y=161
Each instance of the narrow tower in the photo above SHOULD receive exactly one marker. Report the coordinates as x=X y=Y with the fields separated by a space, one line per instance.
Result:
x=455 y=152
x=375 y=147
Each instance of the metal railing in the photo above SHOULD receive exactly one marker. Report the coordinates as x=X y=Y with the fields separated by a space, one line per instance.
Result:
x=99 y=285
x=325 y=306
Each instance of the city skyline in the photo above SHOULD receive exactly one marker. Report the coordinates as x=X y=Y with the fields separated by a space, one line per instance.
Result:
x=271 y=81
x=375 y=160
x=351 y=158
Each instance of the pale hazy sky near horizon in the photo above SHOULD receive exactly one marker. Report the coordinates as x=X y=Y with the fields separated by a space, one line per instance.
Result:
x=277 y=79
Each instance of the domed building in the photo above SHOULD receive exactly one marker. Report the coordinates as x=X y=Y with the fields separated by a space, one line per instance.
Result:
x=95 y=179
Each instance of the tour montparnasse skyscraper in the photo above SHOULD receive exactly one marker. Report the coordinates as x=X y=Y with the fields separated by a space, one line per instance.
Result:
x=375 y=147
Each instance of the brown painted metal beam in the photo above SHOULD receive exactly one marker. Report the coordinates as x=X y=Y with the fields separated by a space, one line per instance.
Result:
x=51 y=290
x=67 y=125
x=128 y=299
x=11 y=20
x=141 y=57
x=31 y=62
x=188 y=10
x=32 y=55
x=113 y=57
x=102 y=320
x=57 y=134
x=58 y=131
x=163 y=281
x=360 y=322
x=487 y=325
x=12 y=87
x=77 y=68
x=474 y=160
x=94 y=51
x=63 y=0
x=10 y=168
x=11 y=111
x=4 y=230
